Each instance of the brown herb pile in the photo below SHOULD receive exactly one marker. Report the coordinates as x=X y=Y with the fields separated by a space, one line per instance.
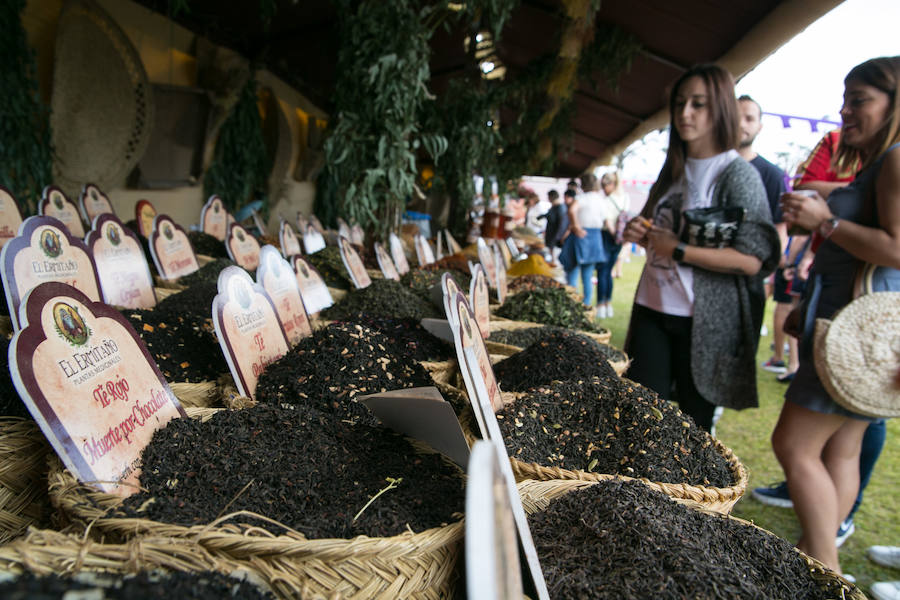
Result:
x=548 y=307
x=328 y=263
x=299 y=466
x=559 y=355
x=10 y=403
x=143 y=586
x=608 y=425
x=180 y=336
x=207 y=245
x=527 y=283
x=208 y=273
x=420 y=281
x=452 y=262
x=622 y=540
x=336 y=364
x=408 y=337
x=383 y=298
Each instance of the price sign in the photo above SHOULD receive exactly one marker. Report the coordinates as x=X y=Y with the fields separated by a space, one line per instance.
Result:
x=90 y=384
x=439 y=250
x=56 y=204
x=248 y=328
x=45 y=251
x=504 y=253
x=343 y=228
x=479 y=297
x=486 y=258
x=290 y=245
x=385 y=263
x=144 y=213
x=452 y=245
x=316 y=296
x=302 y=222
x=354 y=264
x=511 y=245
x=424 y=253
x=10 y=217
x=277 y=278
x=171 y=249
x=214 y=218
x=317 y=224
x=242 y=247
x=313 y=240
x=125 y=278
x=93 y=203
x=357 y=235
x=501 y=276
x=398 y=255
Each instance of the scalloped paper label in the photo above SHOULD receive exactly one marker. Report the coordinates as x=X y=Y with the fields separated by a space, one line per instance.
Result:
x=242 y=247
x=385 y=263
x=171 y=249
x=354 y=264
x=479 y=297
x=10 y=217
x=93 y=203
x=125 y=278
x=144 y=213
x=501 y=276
x=313 y=240
x=214 y=218
x=486 y=258
x=57 y=205
x=290 y=243
x=277 y=277
x=398 y=255
x=90 y=384
x=313 y=289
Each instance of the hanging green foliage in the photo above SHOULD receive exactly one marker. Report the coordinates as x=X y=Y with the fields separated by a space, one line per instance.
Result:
x=381 y=87
x=26 y=151
x=241 y=164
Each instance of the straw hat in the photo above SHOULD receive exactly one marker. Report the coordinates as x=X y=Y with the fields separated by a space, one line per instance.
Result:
x=857 y=355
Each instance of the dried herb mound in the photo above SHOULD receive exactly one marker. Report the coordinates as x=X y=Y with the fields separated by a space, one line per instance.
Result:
x=548 y=307
x=451 y=262
x=208 y=273
x=559 y=355
x=335 y=365
x=10 y=403
x=408 y=337
x=298 y=466
x=420 y=281
x=149 y=586
x=330 y=266
x=607 y=425
x=383 y=298
x=180 y=336
x=531 y=335
x=528 y=283
x=622 y=540
x=207 y=245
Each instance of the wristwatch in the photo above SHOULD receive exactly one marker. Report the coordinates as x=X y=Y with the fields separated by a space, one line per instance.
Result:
x=827 y=227
x=678 y=252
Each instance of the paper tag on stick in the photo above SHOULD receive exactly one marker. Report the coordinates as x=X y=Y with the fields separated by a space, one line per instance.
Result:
x=125 y=278
x=316 y=296
x=171 y=249
x=93 y=203
x=56 y=204
x=277 y=277
x=10 y=217
x=214 y=218
x=290 y=244
x=242 y=247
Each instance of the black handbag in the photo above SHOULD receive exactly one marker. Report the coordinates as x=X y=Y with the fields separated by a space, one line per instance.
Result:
x=713 y=227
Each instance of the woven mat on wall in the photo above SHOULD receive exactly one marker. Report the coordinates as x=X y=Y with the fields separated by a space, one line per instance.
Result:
x=102 y=109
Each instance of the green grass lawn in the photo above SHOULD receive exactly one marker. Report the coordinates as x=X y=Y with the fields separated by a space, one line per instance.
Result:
x=747 y=433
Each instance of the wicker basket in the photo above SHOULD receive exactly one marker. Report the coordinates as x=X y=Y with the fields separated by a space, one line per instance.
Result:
x=443 y=371
x=168 y=284
x=43 y=552
x=498 y=324
x=537 y=495
x=23 y=481
x=164 y=292
x=203 y=394
x=410 y=565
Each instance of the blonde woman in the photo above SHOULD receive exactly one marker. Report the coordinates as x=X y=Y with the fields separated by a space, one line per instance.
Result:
x=616 y=203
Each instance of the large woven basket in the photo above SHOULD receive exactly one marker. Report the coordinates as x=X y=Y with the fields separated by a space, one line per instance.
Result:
x=44 y=552
x=410 y=565
x=537 y=495
x=23 y=479
x=720 y=500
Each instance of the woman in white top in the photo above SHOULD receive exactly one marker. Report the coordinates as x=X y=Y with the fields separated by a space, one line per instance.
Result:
x=583 y=242
x=616 y=202
x=692 y=327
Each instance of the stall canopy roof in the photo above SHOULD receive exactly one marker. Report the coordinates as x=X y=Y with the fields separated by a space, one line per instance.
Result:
x=301 y=42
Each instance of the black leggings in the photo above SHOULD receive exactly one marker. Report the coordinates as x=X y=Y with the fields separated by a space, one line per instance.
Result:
x=660 y=349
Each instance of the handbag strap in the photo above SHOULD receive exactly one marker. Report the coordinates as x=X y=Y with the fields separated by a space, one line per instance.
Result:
x=862 y=284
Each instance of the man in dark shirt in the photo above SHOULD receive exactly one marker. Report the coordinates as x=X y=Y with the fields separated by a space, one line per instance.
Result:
x=557 y=223
x=773 y=180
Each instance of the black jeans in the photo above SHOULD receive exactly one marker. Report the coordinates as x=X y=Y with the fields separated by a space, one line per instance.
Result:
x=660 y=349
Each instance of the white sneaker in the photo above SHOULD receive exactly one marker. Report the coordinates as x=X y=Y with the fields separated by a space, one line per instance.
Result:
x=609 y=311
x=886 y=556
x=763 y=331
x=601 y=312
x=886 y=590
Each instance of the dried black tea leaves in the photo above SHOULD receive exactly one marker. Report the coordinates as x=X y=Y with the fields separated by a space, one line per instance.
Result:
x=206 y=244
x=208 y=273
x=420 y=281
x=559 y=355
x=330 y=266
x=407 y=336
x=180 y=336
x=622 y=540
x=383 y=298
x=143 y=586
x=612 y=426
x=299 y=466
x=333 y=366
x=529 y=335
x=548 y=307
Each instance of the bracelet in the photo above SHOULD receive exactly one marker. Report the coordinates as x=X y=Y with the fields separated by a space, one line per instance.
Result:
x=827 y=227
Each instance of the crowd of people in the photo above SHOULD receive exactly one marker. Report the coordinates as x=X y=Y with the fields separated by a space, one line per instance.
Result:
x=723 y=229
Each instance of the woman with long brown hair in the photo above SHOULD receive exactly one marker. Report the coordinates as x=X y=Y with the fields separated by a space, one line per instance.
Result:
x=693 y=327
x=816 y=440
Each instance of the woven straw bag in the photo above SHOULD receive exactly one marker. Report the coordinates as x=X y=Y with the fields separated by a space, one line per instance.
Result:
x=23 y=480
x=720 y=500
x=44 y=552
x=857 y=355
x=537 y=495
x=409 y=565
